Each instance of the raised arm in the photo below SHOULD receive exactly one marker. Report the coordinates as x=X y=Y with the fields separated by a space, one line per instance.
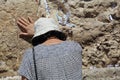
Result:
x=27 y=28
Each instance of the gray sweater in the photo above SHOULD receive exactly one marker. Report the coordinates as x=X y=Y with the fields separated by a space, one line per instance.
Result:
x=61 y=61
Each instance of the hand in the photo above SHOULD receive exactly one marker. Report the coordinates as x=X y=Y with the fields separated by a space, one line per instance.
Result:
x=37 y=1
x=27 y=27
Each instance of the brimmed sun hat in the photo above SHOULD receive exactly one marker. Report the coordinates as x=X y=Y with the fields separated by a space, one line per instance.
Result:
x=44 y=25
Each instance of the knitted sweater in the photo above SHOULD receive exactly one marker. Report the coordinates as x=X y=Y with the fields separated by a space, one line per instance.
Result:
x=61 y=61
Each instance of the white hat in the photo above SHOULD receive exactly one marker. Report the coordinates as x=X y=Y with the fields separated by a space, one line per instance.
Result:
x=44 y=25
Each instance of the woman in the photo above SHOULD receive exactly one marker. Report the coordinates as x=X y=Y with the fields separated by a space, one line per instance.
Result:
x=55 y=58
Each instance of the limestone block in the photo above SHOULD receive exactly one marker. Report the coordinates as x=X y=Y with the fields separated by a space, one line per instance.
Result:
x=95 y=31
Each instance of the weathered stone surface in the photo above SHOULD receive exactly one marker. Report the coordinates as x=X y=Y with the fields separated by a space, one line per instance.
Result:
x=89 y=74
x=97 y=30
x=101 y=74
x=11 y=46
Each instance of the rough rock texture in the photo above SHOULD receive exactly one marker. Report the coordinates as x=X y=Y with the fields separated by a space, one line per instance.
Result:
x=97 y=30
x=11 y=46
x=102 y=74
x=91 y=74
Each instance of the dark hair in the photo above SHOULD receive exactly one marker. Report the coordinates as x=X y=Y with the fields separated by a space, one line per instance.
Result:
x=42 y=38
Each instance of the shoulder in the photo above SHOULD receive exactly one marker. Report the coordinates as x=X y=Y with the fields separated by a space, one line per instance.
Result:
x=27 y=52
x=74 y=44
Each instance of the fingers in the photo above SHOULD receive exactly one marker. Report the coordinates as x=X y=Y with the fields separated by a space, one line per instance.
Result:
x=23 y=34
x=21 y=26
x=30 y=20
x=22 y=22
x=25 y=21
x=25 y=25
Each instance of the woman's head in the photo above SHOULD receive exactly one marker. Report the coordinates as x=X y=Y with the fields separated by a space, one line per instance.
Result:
x=46 y=28
x=42 y=38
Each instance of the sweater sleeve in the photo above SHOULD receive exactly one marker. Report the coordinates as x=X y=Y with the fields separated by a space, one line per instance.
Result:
x=25 y=68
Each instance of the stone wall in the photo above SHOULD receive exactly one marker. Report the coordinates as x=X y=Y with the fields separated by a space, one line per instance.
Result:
x=11 y=46
x=97 y=30
x=102 y=74
x=88 y=74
